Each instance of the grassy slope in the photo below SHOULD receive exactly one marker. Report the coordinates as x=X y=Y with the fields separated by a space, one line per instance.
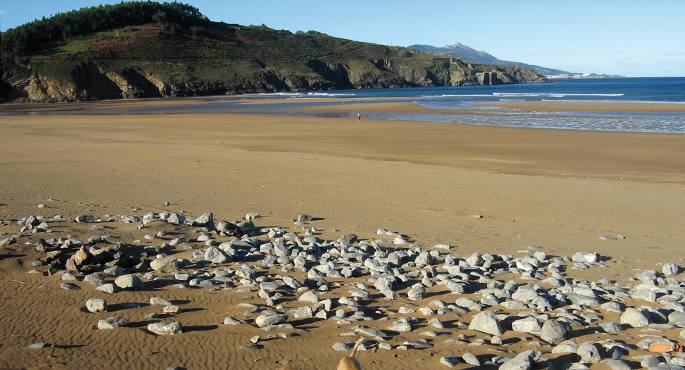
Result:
x=219 y=57
x=219 y=45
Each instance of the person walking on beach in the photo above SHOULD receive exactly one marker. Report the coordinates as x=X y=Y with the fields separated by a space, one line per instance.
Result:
x=359 y=117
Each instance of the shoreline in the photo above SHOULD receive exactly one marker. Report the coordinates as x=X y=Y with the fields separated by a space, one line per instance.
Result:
x=397 y=101
x=389 y=110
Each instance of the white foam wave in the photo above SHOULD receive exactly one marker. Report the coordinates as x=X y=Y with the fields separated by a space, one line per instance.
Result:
x=458 y=96
x=281 y=94
x=330 y=94
x=520 y=95
x=307 y=94
x=551 y=95
x=620 y=101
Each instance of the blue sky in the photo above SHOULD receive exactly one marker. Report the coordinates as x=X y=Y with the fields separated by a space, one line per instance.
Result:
x=628 y=37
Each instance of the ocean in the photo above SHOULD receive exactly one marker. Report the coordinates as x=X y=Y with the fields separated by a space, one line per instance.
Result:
x=462 y=99
x=638 y=89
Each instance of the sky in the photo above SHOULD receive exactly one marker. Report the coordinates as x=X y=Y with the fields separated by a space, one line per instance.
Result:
x=625 y=37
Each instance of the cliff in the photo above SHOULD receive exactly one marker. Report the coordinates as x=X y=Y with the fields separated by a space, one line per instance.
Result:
x=185 y=54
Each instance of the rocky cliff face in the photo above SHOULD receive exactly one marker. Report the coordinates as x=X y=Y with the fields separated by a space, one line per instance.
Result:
x=151 y=61
x=90 y=80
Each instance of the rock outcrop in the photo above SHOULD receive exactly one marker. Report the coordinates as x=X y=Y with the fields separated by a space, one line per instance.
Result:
x=200 y=57
x=91 y=80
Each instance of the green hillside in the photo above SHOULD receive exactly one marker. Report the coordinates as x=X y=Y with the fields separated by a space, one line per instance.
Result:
x=147 y=49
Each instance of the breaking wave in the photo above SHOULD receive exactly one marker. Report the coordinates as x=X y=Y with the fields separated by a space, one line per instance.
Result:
x=520 y=95
x=308 y=94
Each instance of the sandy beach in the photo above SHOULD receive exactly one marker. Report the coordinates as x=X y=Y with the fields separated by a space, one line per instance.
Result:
x=476 y=188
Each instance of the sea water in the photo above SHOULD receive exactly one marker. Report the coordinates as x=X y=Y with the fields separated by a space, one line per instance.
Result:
x=638 y=89
x=462 y=99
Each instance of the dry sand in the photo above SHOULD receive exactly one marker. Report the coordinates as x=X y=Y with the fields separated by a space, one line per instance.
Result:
x=559 y=189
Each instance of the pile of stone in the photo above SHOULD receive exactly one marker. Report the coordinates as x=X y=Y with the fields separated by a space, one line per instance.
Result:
x=489 y=298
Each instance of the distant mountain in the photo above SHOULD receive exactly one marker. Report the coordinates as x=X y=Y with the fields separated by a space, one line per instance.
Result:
x=472 y=55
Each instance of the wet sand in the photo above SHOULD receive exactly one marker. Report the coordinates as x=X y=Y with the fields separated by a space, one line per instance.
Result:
x=558 y=189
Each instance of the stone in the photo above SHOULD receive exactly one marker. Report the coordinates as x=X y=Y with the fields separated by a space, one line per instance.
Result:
x=81 y=256
x=230 y=229
x=486 y=322
x=171 y=308
x=112 y=323
x=611 y=328
x=106 y=288
x=309 y=296
x=470 y=359
x=436 y=323
x=176 y=218
x=565 y=347
x=449 y=361
x=169 y=328
x=85 y=219
x=342 y=346
x=304 y=312
x=113 y=271
x=526 y=325
x=94 y=279
x=670 y=269
x=650 y=361
x=159 y=264
x=156 y=301
x=644 y=294
x=585 y=257
x=39 y=345
x=206 y=219
x=401 y=325
x=69 y=286
x=612 y=307
x=522 y=361
x=583 y=299
x=416 y=292
x=588 y=353
x=231 y=321
x=215 y=255
x=385 y=346
x=616 y=354
x=677 y=318
x=270 y=318
x=423 y=259
x=129 y=281
x=420 y=344
x=251 y=216
x=322 y=314
x=634 y=318
x=553 y=332
x=96 y=305
x=372 y=332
